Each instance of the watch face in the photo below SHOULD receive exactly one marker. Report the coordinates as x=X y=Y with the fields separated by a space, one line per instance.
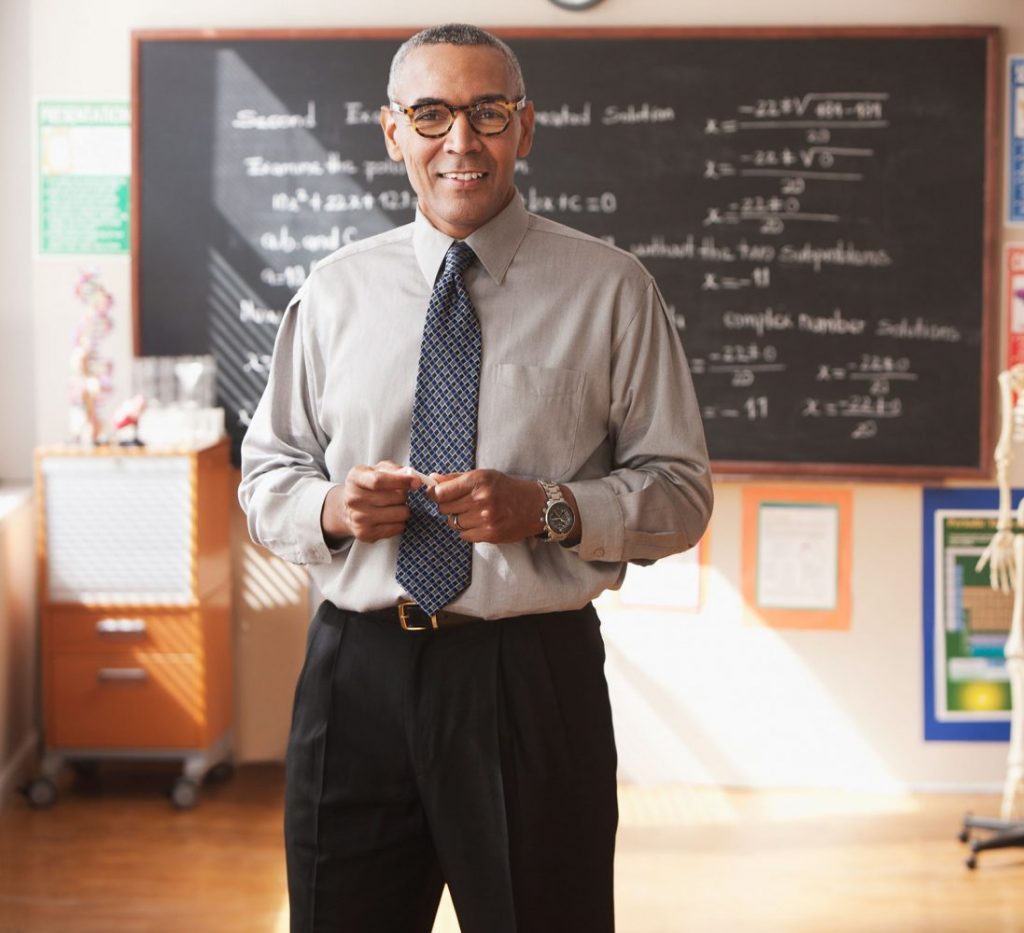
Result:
x=561 y=518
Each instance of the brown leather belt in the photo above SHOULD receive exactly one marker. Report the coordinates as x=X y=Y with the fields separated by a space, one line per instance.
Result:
x=412 y=618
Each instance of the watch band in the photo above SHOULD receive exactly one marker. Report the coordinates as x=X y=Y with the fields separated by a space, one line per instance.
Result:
x=554 y=500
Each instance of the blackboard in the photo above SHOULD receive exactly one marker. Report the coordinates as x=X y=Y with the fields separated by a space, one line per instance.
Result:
x=816 y=205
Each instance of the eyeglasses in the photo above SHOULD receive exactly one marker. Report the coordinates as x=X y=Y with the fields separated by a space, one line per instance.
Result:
x=487 y=117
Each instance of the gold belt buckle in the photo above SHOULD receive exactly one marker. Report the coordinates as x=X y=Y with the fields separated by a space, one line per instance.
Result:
x=403 y=618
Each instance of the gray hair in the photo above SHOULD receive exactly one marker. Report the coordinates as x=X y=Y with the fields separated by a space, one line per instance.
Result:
x=456 y=34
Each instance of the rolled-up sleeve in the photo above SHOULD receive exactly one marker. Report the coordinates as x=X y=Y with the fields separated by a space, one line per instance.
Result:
x=657 y=498
x=284 y=477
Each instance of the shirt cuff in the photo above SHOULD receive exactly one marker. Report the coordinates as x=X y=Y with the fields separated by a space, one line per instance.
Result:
x=308 y=510
x=602 y=520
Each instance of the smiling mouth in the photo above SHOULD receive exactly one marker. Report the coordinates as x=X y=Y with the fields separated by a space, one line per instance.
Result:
x=463 y=176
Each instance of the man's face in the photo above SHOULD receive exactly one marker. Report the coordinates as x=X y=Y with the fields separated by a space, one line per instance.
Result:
x=462 y=179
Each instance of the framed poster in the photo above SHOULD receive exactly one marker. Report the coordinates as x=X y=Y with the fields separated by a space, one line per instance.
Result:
x=796 y=556
x=966 y=622
x=1015 y=136
x=84 y=171
x=1014 y=272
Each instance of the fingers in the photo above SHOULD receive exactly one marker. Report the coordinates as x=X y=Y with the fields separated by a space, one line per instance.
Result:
x=480 y=505
x=373 y=501
x=383 y=475
x=378 y=498
x=489 y=506
x=457 y=495
x=450 y=487
x=1002 y=576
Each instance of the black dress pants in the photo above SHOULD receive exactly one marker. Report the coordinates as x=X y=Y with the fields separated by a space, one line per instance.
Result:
x=480 y=756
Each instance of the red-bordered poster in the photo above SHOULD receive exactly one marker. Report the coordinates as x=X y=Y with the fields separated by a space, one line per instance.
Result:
x=1015 y=304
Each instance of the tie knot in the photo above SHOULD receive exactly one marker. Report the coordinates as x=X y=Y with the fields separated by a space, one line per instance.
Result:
x=458 y=259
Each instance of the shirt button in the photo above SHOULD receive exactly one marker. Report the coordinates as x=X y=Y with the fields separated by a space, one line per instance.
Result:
x=599 y=552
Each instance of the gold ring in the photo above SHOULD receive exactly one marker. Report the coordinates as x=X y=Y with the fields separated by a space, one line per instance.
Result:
x=455 y=522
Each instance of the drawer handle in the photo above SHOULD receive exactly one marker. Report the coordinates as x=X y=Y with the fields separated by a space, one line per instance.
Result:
x=121 y=626
x=120 y=673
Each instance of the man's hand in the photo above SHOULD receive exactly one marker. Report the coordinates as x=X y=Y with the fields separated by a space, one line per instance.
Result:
x=370 y=505
x=493 y=507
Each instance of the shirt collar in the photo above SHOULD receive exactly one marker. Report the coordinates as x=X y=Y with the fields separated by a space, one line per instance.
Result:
x=495 y=243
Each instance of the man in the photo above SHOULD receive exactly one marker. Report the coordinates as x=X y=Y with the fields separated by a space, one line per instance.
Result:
x=489 y=432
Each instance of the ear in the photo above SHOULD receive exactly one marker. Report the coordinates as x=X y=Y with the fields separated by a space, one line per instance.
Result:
x=389 y=125
x=526 y=131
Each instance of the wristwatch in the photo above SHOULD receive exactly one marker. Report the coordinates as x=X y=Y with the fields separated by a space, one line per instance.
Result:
x=558 y=517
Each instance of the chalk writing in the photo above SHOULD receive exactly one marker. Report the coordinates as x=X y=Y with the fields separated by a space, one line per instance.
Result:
x=253 y=120
x=283 y=240
x=257 y=167
x=248 y=313
x=563 y=116
x=637 y=113
x=538 y=203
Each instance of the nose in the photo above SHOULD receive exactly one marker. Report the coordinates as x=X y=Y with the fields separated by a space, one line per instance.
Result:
x=461 y=137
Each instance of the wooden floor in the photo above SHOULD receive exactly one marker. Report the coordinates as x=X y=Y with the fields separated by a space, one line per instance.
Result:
x=113 y=856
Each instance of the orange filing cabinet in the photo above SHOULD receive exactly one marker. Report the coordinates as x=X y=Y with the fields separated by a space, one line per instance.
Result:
x=135 y=588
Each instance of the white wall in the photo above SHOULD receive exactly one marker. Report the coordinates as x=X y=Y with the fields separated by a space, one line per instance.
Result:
x=17 y=411
x=719 y=700
x=17 y=414
x=698 y=697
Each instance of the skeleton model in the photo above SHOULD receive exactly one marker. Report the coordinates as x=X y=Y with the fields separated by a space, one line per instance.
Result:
x=1005 y=559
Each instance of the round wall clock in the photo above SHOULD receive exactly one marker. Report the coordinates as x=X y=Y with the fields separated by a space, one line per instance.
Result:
x=575 y=4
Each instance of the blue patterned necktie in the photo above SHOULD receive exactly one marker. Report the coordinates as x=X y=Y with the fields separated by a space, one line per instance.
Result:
x=433 y=562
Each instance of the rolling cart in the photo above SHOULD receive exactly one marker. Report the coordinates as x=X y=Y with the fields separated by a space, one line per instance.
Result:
x=135 y=588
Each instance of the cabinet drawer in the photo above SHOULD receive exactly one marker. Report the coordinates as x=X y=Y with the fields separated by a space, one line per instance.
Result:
x=124 y=630
x=143 y=700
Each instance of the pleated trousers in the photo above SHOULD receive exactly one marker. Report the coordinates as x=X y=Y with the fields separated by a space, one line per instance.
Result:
x=480 y=756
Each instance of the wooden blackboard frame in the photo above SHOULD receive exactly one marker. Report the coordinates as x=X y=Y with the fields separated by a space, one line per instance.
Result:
x=980 y=468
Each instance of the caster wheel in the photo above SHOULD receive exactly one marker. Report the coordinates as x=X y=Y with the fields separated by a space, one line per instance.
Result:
x=964 y=835
x=220 y=772
x=184 y=794
x=41 y=793
x=971 y=863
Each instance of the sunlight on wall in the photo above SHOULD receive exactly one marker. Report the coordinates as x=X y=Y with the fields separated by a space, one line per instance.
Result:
x=705 y=698
x=268 y=583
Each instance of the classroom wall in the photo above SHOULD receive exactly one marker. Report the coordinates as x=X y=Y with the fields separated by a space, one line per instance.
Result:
x=17 y=408
x=17 y=362
x=704 y=697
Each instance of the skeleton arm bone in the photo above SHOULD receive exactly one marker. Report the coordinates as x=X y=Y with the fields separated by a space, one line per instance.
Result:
x=999 y=554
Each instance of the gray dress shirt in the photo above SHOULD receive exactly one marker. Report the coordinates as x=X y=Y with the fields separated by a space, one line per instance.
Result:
x=583 y=382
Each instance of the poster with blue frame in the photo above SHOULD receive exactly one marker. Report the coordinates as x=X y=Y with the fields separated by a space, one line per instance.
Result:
x=966 y=622
x=1015 y=157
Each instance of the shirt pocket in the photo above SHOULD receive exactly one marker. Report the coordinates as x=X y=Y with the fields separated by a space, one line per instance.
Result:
x=533 y=419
